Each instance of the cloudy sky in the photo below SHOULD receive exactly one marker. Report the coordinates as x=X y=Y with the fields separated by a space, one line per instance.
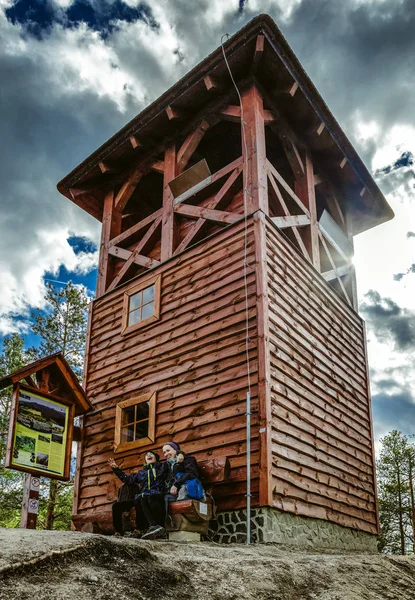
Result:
x=72 y=72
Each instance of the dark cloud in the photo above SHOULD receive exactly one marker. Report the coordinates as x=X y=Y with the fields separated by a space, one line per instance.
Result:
x=241 y=6
x=37 y=17
x=388 y=321
x=394 y=411
x=410 y=234
x=400 y=276
x=405 y=160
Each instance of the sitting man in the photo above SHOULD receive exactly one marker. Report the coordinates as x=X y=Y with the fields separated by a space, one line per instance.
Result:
x=148 y=502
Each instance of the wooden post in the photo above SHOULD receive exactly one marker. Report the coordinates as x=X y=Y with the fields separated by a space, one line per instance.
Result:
x=264 y=363
x=167 y=225
x=255 y=151
x=111 y=226
x=30 y=502
x=305 y=190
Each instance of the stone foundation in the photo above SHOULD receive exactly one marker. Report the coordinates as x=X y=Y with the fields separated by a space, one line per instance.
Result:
x=271 y=526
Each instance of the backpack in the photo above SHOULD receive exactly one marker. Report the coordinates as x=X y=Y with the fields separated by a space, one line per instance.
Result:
x=195 y=489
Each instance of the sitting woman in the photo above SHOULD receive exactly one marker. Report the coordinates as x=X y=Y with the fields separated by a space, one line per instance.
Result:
x=148 y=503
x=181 y=473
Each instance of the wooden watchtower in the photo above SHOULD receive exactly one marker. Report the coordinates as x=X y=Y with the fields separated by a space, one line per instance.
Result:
x=166 y=356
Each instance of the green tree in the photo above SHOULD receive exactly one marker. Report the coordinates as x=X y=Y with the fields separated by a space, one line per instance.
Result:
x=13 y=357
x=395 y=491
x=62 y=328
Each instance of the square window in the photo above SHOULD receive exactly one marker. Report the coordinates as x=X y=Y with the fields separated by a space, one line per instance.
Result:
x=135 y=422
x=141 y=304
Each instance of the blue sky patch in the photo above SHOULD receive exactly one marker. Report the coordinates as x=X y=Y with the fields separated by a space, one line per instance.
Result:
x=37 y=17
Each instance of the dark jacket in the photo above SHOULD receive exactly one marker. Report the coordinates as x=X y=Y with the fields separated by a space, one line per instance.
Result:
x=178 y=473
x=150 y=479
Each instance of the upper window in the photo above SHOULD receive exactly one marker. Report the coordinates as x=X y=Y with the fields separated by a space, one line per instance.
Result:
x=141 y=304
x=135 y=422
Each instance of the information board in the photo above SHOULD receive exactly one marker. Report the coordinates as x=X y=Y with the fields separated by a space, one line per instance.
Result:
x=40 y=435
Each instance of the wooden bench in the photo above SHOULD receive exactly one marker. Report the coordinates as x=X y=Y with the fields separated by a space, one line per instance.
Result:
x=188 y=518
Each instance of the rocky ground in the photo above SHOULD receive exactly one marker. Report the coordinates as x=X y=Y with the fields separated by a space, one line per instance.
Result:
x=67 y=566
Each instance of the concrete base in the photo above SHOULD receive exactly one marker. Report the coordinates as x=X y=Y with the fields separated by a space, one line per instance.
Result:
x=184 y=536
x=271 y=526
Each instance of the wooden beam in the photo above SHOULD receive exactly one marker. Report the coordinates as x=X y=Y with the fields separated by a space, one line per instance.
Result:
x=218 y=198
x=287 y=188
x=231 y=113
x=136 y=252
x=168 y=224
x=333 y=266
x=305 y=189
x=172 y=113
x=320 y=128
x=341 y=271
x=135 y=143
x=219 y=216
x=343 y=163
x=259 y=51
x=268 y=116
x=143 y=261
x=190 y=144
x=293 y=157
x=158 y=166
x=254 y=151
x=210 y=83
x=208 y=181
x=135 y=228
x=127 y=189
x=292 y=89
x=284 y=207
x=318 y=180
x=291 y=221
x=104 y=168
x=111 y=226
x=31 y=381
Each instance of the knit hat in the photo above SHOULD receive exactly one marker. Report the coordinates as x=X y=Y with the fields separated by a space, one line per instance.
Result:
x=154 y=454
x=173 y=445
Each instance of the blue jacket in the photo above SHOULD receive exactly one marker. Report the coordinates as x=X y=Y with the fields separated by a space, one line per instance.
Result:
x=150 y=479
x=178 y=473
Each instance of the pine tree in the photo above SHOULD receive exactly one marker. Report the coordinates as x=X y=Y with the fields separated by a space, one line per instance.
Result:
x=395 y=467
x=62 y=328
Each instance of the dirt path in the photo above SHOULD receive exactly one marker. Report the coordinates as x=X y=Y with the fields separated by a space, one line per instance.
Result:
x=68 y=566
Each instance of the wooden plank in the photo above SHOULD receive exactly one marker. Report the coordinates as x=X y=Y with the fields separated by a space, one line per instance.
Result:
x=230 y=113
x=254 y=151
x=334 y=267
x=157 y=166
x=198 y=212
x=293 y=156
x=168 y=224
x=210 y=83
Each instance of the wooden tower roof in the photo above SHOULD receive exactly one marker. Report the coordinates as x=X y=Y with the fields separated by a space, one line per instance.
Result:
x=276 y=69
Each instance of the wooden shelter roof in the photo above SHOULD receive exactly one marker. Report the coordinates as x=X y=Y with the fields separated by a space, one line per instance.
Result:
x=60 y=370
x=277 y=72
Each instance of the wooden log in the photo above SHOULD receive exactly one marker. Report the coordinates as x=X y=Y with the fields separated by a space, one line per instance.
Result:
x=193 y=510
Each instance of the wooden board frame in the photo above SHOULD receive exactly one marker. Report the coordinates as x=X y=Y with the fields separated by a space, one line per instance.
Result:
x=156 y=281
x=151 y=398
x=12 y=429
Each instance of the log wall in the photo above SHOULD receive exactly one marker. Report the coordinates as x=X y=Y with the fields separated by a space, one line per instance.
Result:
x=193 y=357
x=322 y=451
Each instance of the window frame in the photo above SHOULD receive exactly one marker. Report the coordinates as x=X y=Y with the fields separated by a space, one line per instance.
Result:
x=151 y=399
x=138 y=287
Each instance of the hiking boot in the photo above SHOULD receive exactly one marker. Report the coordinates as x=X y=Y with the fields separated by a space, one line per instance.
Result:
x=154 y=532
